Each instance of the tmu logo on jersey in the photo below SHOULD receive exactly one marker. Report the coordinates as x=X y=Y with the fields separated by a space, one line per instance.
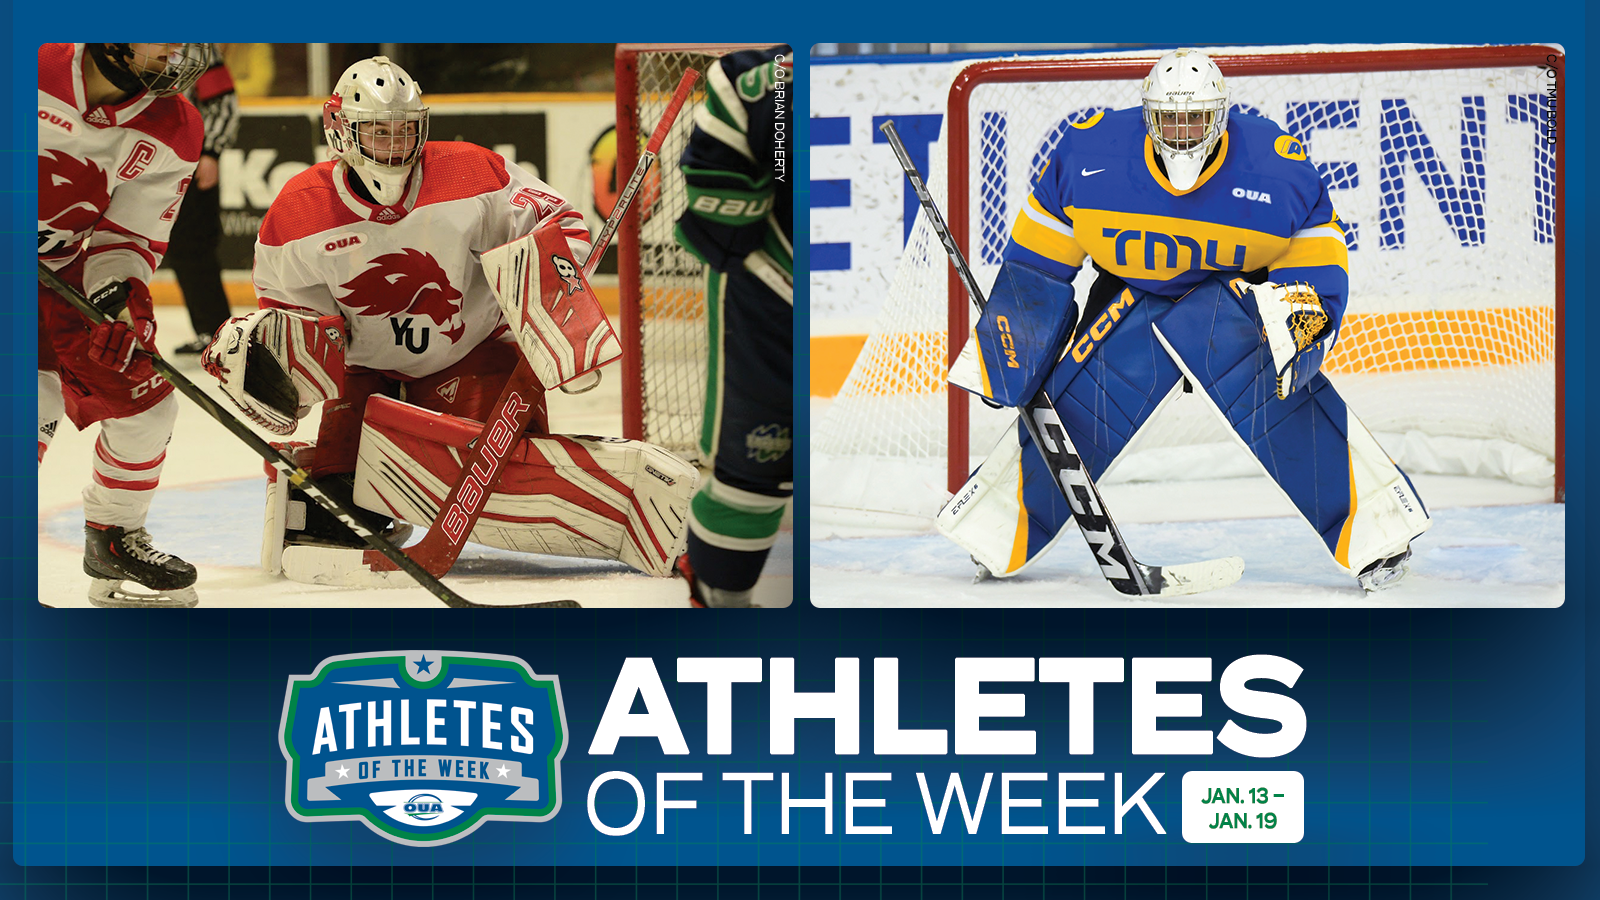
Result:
x=423 y=746
x=406 y=288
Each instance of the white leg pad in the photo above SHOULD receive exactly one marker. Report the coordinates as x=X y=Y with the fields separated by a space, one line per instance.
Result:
x=986 y=517
x=281 y=515
x=1385 y=515
x=598 y=498
x=274 y=525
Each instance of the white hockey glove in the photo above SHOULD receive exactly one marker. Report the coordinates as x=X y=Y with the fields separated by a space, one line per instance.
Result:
x=1297 y=330
x=275 y=365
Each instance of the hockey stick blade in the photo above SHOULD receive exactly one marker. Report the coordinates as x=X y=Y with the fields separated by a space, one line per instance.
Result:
x=1117 y=563
x=348 y=567
x=1192 y=578
x=296 y=475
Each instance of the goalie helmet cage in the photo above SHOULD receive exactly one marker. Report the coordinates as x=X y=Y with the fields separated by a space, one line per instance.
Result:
x=1452 y=343
x=661 y=286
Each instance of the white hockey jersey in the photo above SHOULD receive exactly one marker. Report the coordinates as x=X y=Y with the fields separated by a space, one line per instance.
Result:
x=406 y=278
x=110 y=177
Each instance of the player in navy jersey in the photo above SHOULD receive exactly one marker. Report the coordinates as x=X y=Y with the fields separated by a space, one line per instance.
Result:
x=1178 y=200
x=739 y=221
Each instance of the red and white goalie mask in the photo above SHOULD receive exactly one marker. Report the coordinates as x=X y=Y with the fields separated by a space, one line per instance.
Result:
x=376 y=124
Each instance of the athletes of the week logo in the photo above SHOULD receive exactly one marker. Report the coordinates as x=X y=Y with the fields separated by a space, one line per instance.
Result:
x=423 y=746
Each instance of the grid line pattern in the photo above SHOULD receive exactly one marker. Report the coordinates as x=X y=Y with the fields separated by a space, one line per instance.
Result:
x=841 y=882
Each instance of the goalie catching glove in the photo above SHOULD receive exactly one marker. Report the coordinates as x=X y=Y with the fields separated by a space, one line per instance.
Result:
x=1297 y=329
x=275 y=364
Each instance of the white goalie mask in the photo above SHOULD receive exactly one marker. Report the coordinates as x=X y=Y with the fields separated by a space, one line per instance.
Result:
x=375 y=122
x=1185 y=112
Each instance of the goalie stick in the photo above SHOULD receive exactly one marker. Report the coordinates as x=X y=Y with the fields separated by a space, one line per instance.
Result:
x=1126 y=574
x=438 y=550
x=296 y=475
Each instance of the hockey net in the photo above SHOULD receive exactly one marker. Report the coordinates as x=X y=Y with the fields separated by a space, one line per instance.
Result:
x=661 y=285
x=1444 y=164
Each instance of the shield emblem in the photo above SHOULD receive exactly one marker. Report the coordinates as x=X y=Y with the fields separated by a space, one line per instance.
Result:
x=423 y=746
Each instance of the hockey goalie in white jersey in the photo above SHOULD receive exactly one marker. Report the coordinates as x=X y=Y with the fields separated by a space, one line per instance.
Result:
x=371 y=276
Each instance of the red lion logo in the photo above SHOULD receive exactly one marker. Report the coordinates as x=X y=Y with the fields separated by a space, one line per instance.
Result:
x=407 y=282
x=72 y=193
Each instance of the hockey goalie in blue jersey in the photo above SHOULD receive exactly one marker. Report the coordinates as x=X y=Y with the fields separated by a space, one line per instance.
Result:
x=1221 y=262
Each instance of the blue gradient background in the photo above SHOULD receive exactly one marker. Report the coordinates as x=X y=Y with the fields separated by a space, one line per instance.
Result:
x=1437 y=738
x=146 y=745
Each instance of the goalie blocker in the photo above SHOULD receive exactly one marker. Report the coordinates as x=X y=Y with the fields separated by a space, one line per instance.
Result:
x=557 y=320
x=588 y=497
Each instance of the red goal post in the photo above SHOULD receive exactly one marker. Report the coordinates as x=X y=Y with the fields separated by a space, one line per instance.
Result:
x=660 y=285
x=960 y=142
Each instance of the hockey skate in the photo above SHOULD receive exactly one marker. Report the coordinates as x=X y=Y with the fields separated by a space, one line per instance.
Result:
x=115 y=558
x=983 y=574
x=702 y=596
x=1385 y=573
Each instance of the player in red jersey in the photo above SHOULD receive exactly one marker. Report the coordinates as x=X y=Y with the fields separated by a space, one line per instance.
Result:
x=370 y=284
x=117 y=147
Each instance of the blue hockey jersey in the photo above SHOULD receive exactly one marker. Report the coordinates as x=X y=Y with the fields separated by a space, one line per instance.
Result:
x=1259 y=204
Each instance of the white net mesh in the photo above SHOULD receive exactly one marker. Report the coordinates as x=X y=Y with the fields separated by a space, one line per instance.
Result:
x=1446 y=184
x=671 y=298
x=883 y=444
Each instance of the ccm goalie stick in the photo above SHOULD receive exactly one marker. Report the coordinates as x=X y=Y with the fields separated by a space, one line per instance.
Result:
x=438 y=550
x=296 y=475
x=1126 y=574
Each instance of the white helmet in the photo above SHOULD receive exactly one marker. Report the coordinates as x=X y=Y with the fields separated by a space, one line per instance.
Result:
x=375 y=122
x=1185 y=88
